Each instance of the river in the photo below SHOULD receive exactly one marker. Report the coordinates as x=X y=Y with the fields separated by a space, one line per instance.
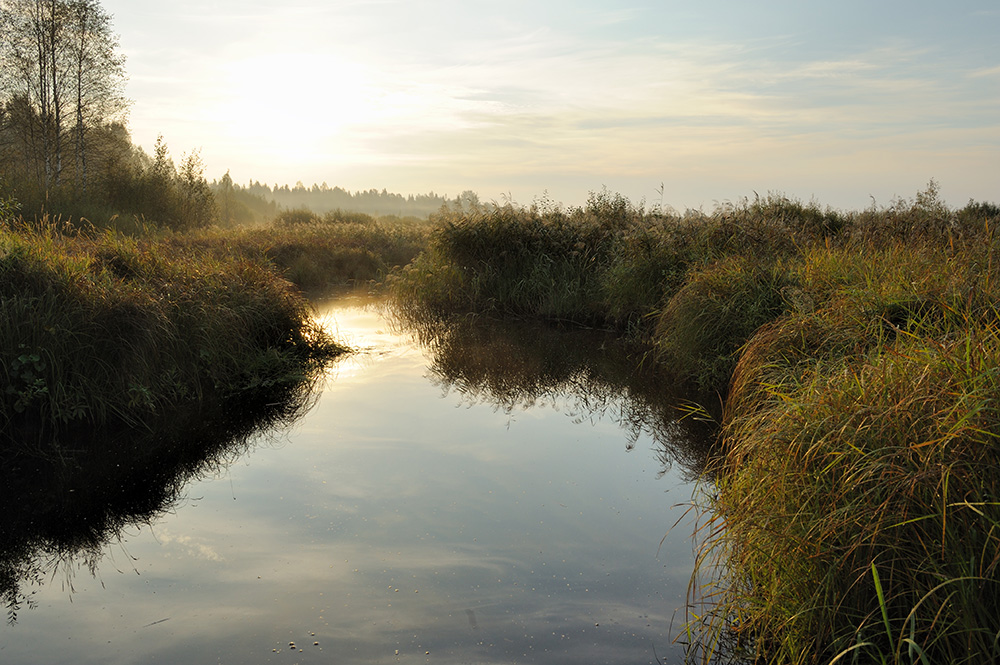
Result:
x=426 y=509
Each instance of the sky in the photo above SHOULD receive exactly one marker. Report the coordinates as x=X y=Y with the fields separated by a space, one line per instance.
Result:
x=847 y=103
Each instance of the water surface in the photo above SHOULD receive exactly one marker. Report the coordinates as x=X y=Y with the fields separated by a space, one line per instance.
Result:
x=426 y=510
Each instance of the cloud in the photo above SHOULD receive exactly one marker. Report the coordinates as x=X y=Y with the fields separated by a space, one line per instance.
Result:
x=446 y=97
x=186 y=546
x=985 y=72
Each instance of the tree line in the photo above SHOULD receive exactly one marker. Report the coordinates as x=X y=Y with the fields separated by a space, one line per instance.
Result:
x=65 y=148
x=323 y=198
x=66 y=151
x=62 y=76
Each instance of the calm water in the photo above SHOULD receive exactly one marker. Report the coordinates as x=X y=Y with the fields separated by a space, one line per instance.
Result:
x=424 y=511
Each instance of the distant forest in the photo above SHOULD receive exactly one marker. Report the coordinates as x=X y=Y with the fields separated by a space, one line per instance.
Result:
x=323 y=198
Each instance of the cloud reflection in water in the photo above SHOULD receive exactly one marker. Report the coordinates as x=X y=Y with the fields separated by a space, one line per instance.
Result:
x=422 y=505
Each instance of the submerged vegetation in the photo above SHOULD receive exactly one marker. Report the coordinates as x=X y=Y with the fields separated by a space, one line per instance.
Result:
x=851 y=360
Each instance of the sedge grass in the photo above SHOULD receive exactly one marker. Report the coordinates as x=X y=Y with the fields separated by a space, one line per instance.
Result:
x=854 y=513
x=107 y=331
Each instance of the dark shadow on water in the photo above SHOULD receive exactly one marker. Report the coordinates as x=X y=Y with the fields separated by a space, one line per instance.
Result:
x=65 y=499
x=516 y=365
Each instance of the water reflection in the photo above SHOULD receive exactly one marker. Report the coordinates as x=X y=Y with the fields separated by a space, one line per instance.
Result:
x=516 y=366
x=64 y=502
x=470 y=498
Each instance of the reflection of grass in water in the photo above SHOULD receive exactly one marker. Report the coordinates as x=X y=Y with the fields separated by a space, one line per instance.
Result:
x=64 y=511
x=518 y=365
x=857 y=354
x=116 y=358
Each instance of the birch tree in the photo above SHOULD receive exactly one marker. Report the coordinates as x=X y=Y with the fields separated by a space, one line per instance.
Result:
x=59 y=58
x=98 y=77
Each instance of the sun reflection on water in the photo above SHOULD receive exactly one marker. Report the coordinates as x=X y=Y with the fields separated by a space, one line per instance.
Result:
x=358 y=321
x=476 y=498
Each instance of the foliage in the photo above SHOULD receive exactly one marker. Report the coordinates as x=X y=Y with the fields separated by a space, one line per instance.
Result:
x=109 y=332
x=62 y=81
x=8 y=206
x=853 y=513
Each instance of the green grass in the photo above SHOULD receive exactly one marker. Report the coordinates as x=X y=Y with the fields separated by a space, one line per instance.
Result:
x=318 y=253
x=857 y=510
x=854 y=514
x=103 y=329
x=108 y=331
x=576 y=265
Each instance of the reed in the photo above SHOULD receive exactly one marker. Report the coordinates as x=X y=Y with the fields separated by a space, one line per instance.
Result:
x=107 y=331
x=852 y=514
x=855 y=515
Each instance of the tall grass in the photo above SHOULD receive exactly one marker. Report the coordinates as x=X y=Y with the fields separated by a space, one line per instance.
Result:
x=100 y=327
x=107 y=331
x=855 y=512
x=856 y=515
x=318 y=253
x=545 y=262
x=694 y=285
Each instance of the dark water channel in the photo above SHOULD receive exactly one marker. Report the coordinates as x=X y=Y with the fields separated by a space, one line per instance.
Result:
x=482 y=494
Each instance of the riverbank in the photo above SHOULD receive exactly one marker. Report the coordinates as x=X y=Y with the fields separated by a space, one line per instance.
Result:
x=129 y=363
x=109 y=331
x=854 y=356
x=850 y=360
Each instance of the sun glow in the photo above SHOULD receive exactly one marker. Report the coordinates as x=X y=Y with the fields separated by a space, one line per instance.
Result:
x=296 y=106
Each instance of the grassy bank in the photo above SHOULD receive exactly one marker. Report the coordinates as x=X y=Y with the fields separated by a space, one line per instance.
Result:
x=855 y=354
x=109 y=332
x=131 y=362
x=315 y=252
x=101 y=328
x=856 y=512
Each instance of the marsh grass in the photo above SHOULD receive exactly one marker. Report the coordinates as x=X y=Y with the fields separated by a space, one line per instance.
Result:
x=610 y=264
x=542 y=262
x=855 y=516
x=107 y=331
x=101 y=327
x=318 y=253
x=854 y=512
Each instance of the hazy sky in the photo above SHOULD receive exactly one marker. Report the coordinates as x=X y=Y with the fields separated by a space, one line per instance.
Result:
x=839 y=100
